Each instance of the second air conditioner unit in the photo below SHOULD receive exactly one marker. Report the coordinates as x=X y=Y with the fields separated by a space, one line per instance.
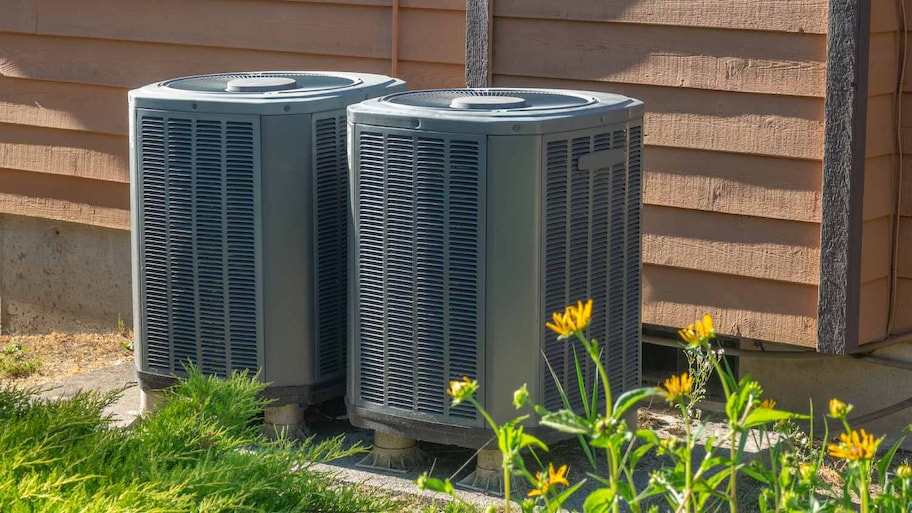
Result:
x=476 y=213
x=239 y=200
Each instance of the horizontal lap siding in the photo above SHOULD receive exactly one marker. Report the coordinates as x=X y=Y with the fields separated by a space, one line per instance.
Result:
x=734 y=137
x=66 y=67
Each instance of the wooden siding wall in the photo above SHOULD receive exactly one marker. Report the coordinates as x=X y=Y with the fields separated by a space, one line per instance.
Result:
x=734 y=100
x=880 y=161
x=66 y=67
x=903 y=307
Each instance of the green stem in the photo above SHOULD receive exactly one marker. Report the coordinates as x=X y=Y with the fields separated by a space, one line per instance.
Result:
x=506 y=488
x=733 y=477
x=688 y=467
x=606 y=386
x=863 y=487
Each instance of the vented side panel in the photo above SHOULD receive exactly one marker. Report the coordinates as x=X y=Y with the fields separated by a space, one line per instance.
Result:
x=419 y=269
x=197 y=205
x=591 y=250
x=331 y=245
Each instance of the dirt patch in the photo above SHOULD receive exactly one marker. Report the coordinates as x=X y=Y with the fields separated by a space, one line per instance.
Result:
x=57 y=355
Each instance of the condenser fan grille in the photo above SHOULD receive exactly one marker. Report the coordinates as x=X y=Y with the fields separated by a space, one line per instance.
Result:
x=460 y=99
x=220 y=83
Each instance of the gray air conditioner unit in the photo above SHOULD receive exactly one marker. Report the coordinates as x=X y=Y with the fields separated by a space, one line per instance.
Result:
x=239 y=212
x=477 y=213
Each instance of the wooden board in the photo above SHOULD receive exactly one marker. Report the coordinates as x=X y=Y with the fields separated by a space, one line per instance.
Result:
x=903 y=306
x=64 y=152
x=19 y=15
x=724 y=60
x=775 y=15
x=746 y=307
x=733 y=183
x=432 y=36
x=783 y=126
x=770 y=249
x=882 y=64
x=880 y=138
x=448 y=5
x=65 y=198
x=885 y=15
x=904 y=256
x=130 y=65
x=878 y=187
x=64 y=105
x=361 y=31
x=875 y=301
x=876 y=248
x=429 y=75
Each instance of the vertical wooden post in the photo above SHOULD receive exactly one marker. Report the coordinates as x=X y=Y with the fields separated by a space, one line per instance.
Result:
x=845 y=123
x=479 y=31
x=394 y=46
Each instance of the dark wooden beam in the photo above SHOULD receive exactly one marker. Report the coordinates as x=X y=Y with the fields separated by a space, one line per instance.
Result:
x=845 y=123
x=479 y=24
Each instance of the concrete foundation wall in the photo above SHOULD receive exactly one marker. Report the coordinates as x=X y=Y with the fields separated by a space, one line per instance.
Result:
x=869 y=387
x=58 y=276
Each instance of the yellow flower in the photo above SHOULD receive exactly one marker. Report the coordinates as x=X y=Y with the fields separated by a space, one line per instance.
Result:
x=676 y=387
x=769 y=404
x=554 y=478
x=855 y=446
x=462 y=390
x=698 y=332
x=904 y=471
x=807 y=471
x=574 y=319
x=839 y=409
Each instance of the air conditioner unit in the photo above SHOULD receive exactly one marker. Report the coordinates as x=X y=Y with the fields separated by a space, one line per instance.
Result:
x=476 y=214
x=239 y=212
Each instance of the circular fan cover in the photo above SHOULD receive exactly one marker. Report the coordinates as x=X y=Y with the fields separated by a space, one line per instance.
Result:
x=490 y=99
x=227 y=82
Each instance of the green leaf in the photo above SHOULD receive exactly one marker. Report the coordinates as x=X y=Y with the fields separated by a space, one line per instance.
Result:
x=566 y=421
x=630 y=398
x=555 y=504
x=599 y=501
x=885 y=462
x=437 y=485
x=648 y=435
x=525 y=440
x=760 y=416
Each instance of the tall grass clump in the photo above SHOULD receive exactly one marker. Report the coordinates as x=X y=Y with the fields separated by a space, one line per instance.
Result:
x=201 y=451
x=701 y=472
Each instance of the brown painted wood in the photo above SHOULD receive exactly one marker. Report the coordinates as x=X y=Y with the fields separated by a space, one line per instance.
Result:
x=89 y=61
x=64 y=105
x=733 y=183
x=876 y=248
x=65 y=198
x=767 y=310
x=881 y=136
x=18 y=15
x=883 y=64
x=430 y=75
x=432 y=36
x=725 y=60
x=780 y=126
x=64 y=152
x=771 y=249
x=903 y=306
x=874 y=305
x=878 y=187
x=885 y=15
x=904 y=260
x=774 y=15
x=445 y=5
x=361 y=31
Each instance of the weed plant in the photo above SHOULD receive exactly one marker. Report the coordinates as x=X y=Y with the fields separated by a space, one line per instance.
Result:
x=201 y=451
x=16 y=363
x=704 y=472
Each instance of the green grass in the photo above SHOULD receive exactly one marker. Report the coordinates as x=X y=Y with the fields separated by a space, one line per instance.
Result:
x=15 y=362
x=201 y=451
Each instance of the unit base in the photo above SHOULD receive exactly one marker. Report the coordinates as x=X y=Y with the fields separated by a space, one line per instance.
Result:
x=393 y=453
x=280 y=395
x=488 y=475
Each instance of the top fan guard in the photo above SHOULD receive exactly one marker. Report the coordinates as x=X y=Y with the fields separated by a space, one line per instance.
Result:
x=491 y=99
x=277 y=82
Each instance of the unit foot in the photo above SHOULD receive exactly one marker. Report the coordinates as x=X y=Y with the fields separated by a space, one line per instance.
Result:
x=393 y=453
x=150 y=400
x=285 y=421
x=488 y=475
